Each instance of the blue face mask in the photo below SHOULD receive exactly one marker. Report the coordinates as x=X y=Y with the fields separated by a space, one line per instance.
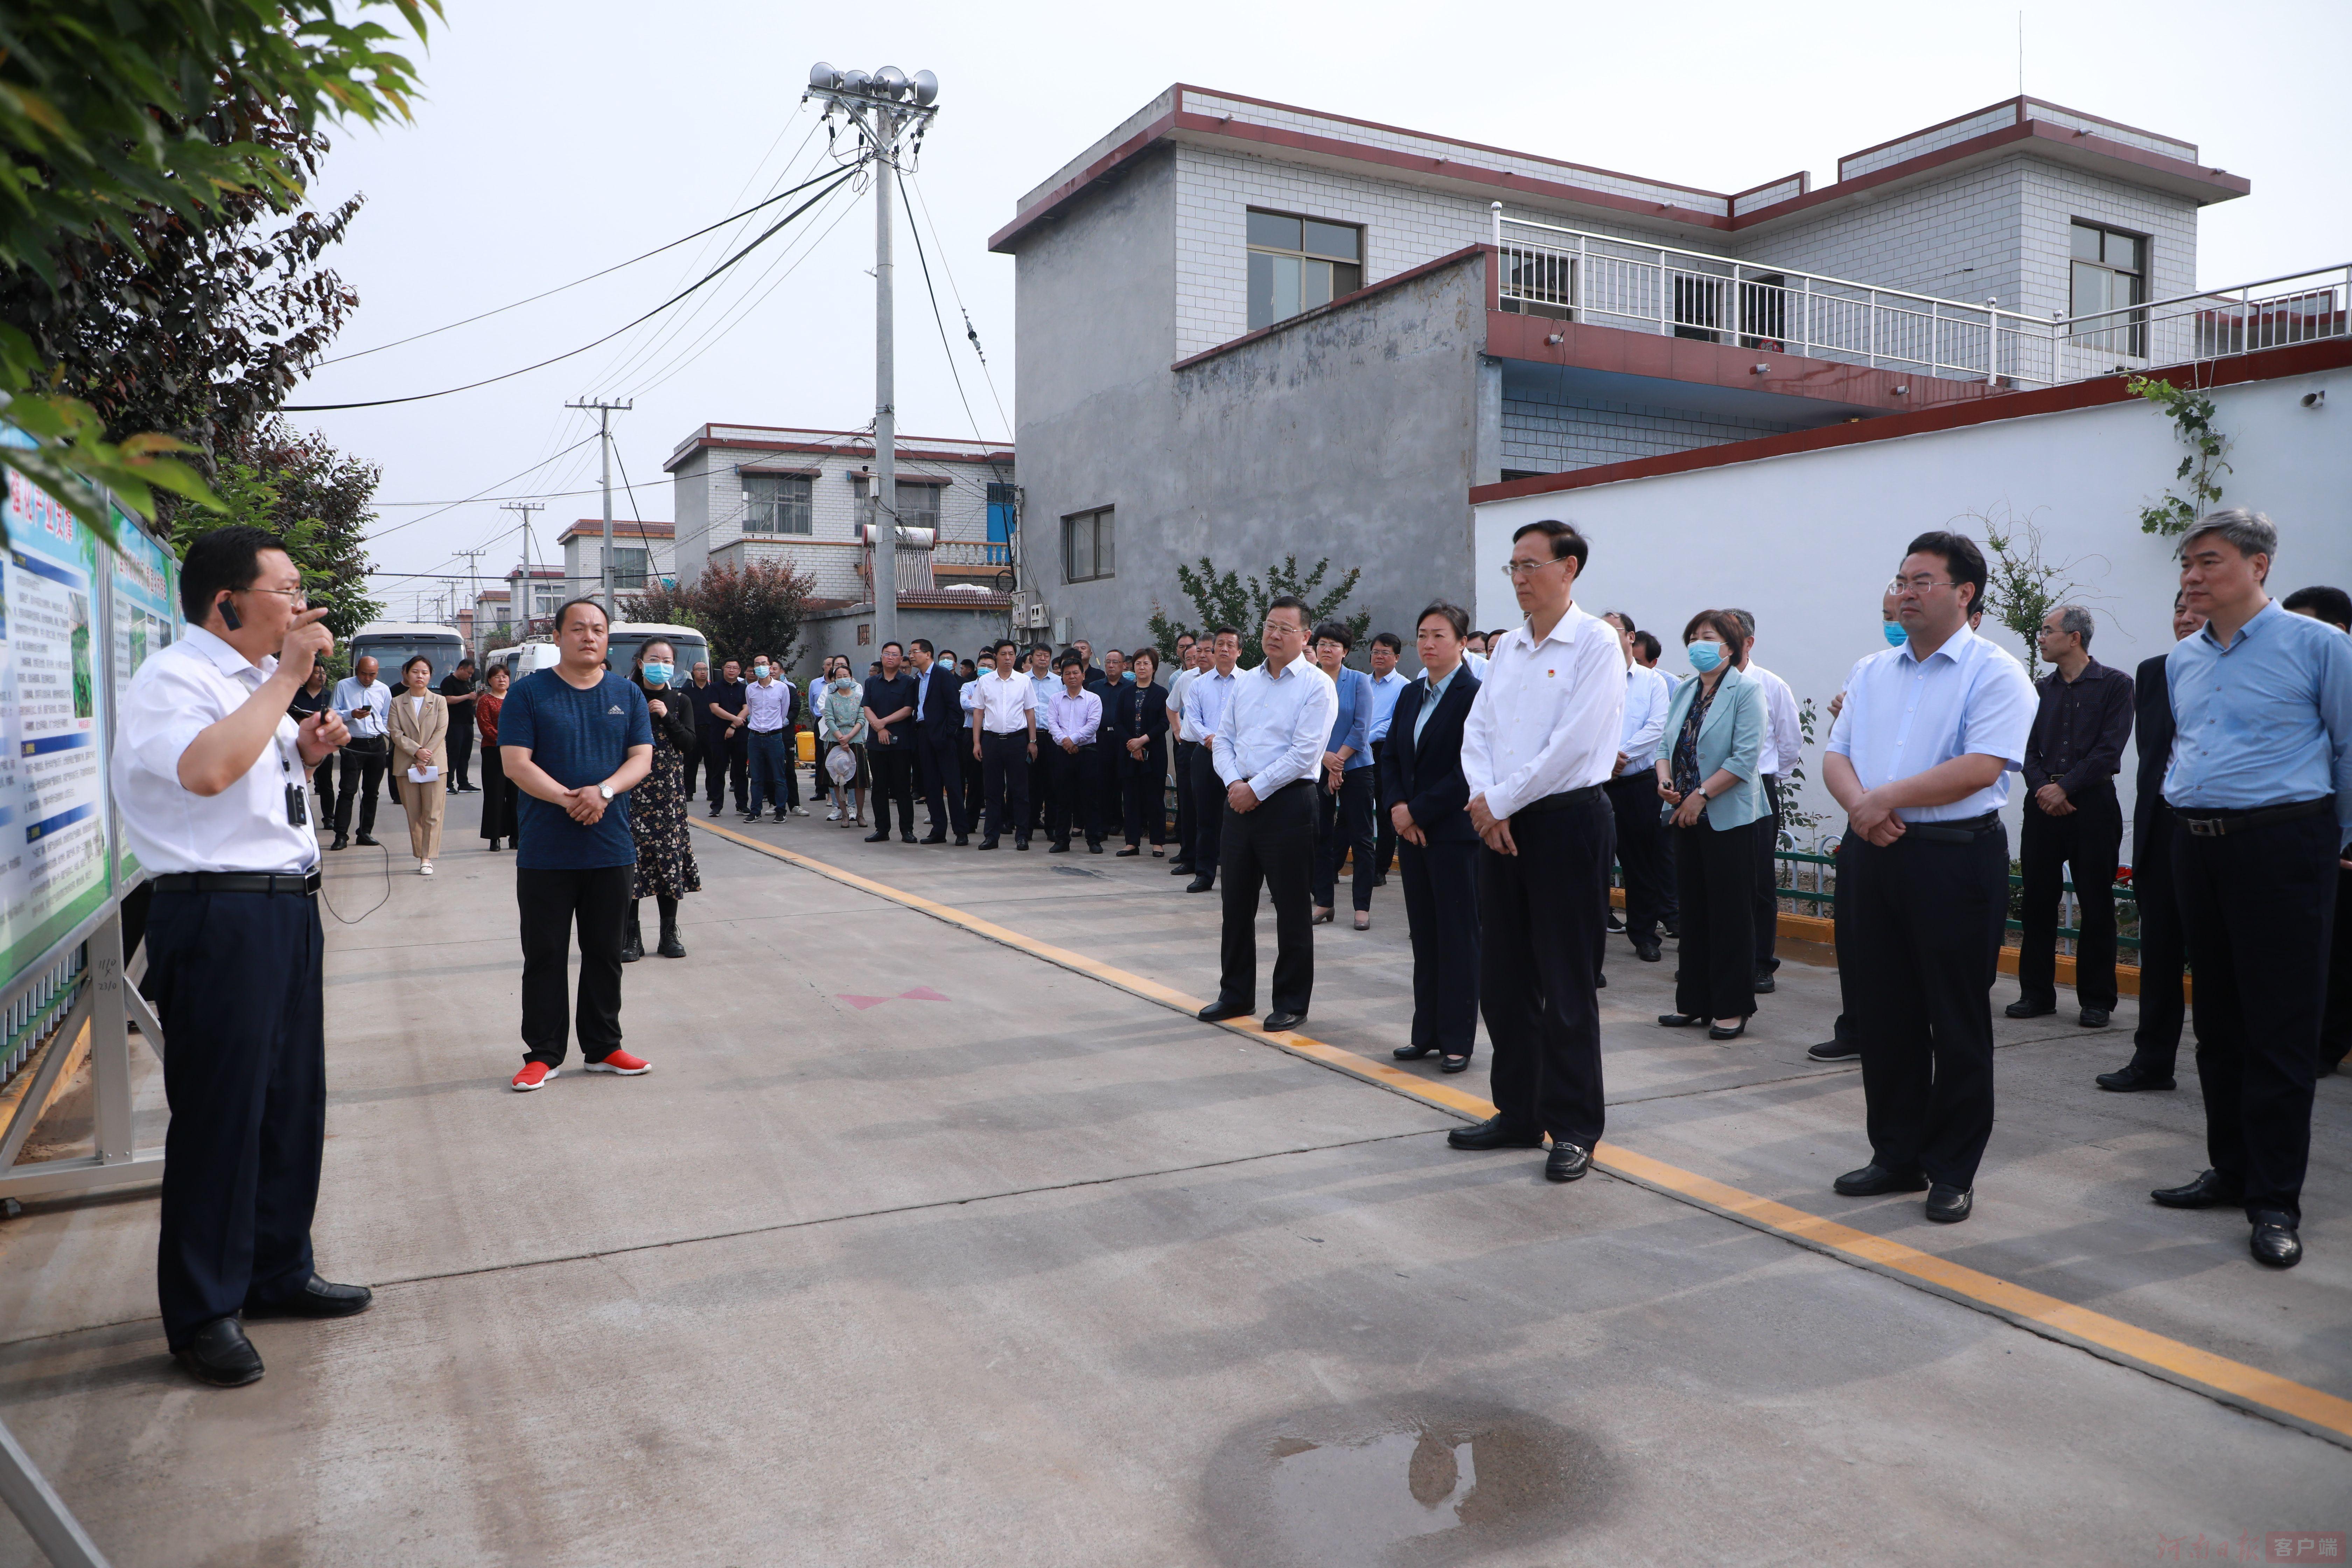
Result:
x=658 y=674
x=759 y=671
x=1705 y=656
x=1895 y=636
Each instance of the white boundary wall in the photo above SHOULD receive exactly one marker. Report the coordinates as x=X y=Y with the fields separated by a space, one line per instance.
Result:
x=1807 y=541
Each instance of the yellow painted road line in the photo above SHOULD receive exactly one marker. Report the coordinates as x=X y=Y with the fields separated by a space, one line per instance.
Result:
x=2232 y=1383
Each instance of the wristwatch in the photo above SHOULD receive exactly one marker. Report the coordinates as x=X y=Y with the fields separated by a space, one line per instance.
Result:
x=605 y=790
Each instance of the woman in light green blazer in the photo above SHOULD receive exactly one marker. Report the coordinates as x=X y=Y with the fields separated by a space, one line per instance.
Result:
x=1706 y=771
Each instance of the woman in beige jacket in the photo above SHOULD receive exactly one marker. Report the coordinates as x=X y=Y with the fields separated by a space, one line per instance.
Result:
x=420 y=726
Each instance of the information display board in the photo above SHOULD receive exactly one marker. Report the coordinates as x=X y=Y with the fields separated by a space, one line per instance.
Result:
x=55 y=862
x=146 y=615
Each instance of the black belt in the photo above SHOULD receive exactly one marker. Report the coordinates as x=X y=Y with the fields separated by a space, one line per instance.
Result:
x=1952 y=832
x=234 y=882
x=2228 y=822
x=1559 y=802
x=366 y=743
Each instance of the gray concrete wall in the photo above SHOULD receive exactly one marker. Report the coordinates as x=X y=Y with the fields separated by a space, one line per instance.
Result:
x=835 y=631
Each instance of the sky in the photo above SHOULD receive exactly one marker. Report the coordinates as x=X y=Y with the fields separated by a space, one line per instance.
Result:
x=555 y=140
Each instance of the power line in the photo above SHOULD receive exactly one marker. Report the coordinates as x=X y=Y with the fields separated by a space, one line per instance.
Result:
x=945 y=347
x=971 y=331
x=764 y=236
x=451 y=506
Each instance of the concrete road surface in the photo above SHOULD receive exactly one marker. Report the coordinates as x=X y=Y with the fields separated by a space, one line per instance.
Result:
x=916 y=1247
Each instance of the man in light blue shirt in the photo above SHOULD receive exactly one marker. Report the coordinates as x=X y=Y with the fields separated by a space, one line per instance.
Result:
x=1920 y=759
x=2260 y=787
x=1633 y=801
x=1267 y=751
x=365 y=704
x=1388 y=684
x=1205 y=703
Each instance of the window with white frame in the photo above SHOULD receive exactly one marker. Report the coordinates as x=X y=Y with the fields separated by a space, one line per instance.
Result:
x=630 y=563
x=1089 y=546
x=2109 y=274
x=1297 y=263
x=919 y=503
x=777 y=503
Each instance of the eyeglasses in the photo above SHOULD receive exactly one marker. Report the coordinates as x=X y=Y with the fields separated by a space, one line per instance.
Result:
x=301 y=597
x=1917 y=585
x=1514 y=570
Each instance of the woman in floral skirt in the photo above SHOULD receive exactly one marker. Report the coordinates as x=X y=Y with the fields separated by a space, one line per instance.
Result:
x=657 y=805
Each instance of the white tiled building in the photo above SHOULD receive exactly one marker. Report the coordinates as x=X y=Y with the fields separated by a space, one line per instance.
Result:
x=643 y=553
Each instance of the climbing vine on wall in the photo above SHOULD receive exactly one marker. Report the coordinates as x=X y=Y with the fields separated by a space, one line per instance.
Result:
x=2191 y=413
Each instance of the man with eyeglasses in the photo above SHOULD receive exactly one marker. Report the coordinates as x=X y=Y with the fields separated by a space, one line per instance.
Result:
x=1920 y=758
x=1538 y=745
x=1269 y=748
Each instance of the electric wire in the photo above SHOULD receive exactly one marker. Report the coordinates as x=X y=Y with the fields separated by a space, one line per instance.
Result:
x=946 y=348
x=412 y=522
x=971 y=332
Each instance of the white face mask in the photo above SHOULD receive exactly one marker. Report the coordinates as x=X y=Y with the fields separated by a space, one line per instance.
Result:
x=761 y=671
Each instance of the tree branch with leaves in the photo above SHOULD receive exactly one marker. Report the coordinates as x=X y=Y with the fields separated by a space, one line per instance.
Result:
x=2191 y=413
x=1229 y=599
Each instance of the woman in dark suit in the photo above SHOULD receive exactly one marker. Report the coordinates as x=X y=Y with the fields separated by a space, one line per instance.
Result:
x=1143 y=725
x=1426 y=797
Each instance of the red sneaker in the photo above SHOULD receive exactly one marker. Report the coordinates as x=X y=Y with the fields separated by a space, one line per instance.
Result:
x=533 y=1075
x=622 y=1062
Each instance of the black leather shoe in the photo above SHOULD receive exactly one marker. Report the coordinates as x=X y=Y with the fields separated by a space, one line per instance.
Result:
x=1948 y=1204
x=1060 y=847
x=1130 y=851
x=1567 y=1162
x=1199 y=884
x=1679 y=1020
x=1218 y=1012
x=341 y=843
x=963 y=840
x=1021 y=842
x=935 y=838
x=1278 y=1022
x=2132 y=1076
x=1453 y=1064
x=363 y=838
x=1412 y=1053
x=1647 y=951
x=317 y=1299
x=2211 y=1190
x=903 y=838
x=2275 y=1242
x=1835 y=1050
x=1874 y=1179
x=1094 y=845
x=2092 y=1018
x=1718 y=1031
x=1493 y=1133
x=2022 y=1008
x=1179 y=868
x=221 y=1355
x=987 y=844
x=1765 y=984
x=881 y=837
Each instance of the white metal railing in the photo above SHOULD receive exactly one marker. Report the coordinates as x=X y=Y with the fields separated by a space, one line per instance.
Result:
x=1575 y=275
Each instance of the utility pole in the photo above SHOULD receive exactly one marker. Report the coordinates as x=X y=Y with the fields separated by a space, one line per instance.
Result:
x=474 y=590
x=605 y=412
x=884 y=107
x=519 y=609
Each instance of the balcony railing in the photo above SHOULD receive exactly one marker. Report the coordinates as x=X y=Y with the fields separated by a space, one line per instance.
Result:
x=1573 y=274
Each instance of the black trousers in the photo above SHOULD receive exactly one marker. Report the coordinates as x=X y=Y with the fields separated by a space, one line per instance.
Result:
x=1634 y=802
x=975 y=796
x=1766 y=922
x=1343 y=823
x=1919 y=939
x=497 y=819
x=894 y=780
x=941 y=779
x=2088 y=839
x=322 y=780
x=1004 y=784
x=2336 y=1023
x=363 y=762
x=2163 y=950
x=460 y=746
x=1073 y=781
x=236 y=982
x=1441 y=905
x=2259 y=906
x=1384 y=837
x=1188 y=811
x=551 y=903
x=1716 y=976
x=1143 y=781
x=1208 y=813
x=695 y=758
x=1540 y=925
x=1271 y=847
x=723 y=758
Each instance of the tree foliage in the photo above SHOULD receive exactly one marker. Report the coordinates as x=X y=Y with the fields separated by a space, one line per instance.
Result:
x=2191 y=413
x=1229 y=599
x=111 y=116
x=2022 y=586
x=314 y=497
x=740 y=610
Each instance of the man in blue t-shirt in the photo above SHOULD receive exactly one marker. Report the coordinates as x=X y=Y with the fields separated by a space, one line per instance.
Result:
x=574 y=741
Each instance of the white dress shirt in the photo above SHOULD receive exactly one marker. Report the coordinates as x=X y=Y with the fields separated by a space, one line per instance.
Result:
x=1077 y=718
x=1276 y=730
x=968 y=694
x=1386 y=690
x=1547 y=717
x=1205 y=703
x=1784 y=743
x=766 y=704
x=366 y=708
x=1004 y=702
x=180 y=691
x=1176 y=689
x=1904 y=716
x=1646 y=701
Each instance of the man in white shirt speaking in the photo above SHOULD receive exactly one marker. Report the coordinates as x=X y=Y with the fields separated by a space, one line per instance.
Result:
x=1540 y=742
x=212 y=779
x=1269 y=747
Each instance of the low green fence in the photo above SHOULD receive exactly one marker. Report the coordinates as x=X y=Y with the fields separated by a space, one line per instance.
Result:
x=1794 y=875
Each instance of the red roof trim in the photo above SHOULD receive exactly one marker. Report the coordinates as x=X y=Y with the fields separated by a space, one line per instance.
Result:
x=2269 y=365
x=1133 y=146
x=694 y=444
x=1407 y=275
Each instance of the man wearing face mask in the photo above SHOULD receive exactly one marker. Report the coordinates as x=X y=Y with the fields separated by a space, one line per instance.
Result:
x=767 y=708
x=1841 y=1044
